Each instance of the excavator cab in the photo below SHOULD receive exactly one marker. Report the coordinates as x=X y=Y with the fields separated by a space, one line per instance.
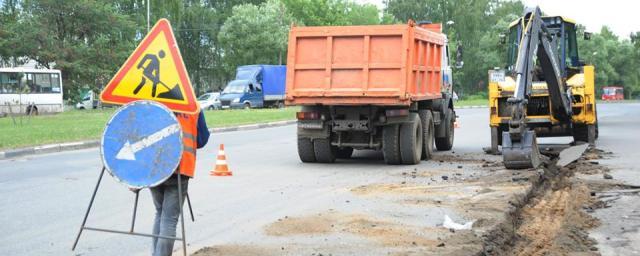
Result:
x=544 y=90
x=563 y=35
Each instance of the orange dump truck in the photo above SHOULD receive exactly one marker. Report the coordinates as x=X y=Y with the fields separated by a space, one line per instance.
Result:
x=383 y=87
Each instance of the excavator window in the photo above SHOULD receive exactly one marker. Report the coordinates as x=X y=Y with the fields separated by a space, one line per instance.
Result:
x=571 y=45
x=512 y=46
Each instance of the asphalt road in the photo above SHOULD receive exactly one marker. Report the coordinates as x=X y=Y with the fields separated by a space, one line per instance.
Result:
x=44 y=197
x=619 y=233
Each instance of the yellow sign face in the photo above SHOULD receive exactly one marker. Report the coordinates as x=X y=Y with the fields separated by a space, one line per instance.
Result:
x=155 y=71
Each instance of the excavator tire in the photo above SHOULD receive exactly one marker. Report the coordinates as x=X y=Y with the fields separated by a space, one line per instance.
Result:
x=585 y=133
x=496 y=139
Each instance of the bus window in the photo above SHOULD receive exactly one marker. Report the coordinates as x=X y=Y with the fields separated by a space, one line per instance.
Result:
x=8 y=83
x=42 y=83
x=30 y=88
x=55 y=83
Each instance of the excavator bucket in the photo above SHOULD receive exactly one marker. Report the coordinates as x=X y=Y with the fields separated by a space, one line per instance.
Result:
x=520 y=154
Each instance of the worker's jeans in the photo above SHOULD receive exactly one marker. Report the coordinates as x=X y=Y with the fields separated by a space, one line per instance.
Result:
x=165 y=199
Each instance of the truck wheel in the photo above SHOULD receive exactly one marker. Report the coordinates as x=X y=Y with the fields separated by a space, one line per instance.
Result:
x=411 y=140
x=305 y=150
x=344 y=153
x=427 y=137
x=280 y=104
x=391 y=144
x=446 y=142
x=247 y=106
x=325 y=153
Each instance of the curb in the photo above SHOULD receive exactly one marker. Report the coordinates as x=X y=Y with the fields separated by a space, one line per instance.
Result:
x=51 y=148
x=478 y=106
x=251 y=126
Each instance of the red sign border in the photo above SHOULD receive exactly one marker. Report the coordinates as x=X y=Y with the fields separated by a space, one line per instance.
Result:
x=162 y=25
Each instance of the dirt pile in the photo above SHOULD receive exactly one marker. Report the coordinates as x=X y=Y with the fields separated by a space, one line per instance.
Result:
x=384 y=232
x=588 y=164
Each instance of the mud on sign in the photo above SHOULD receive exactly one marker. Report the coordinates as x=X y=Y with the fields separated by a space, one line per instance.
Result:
x=155 y=71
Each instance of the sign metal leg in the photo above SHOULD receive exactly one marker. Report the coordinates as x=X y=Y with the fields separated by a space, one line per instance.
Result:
x=86 y=215
x=184 y=240
x=135 y=209
x=190 y=210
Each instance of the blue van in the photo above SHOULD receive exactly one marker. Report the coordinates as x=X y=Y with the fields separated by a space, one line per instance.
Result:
x=255 y=86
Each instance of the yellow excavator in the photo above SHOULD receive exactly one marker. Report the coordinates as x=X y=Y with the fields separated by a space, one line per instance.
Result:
x=544 y=91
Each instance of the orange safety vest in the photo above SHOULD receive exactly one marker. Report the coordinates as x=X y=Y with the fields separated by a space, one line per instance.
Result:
x=189 y=124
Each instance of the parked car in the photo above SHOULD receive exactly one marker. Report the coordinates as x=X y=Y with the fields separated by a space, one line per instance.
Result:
x=209 y=101
x=256 y=86
x=89 y=101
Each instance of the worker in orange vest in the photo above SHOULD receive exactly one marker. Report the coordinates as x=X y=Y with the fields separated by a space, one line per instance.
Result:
x=195 y=134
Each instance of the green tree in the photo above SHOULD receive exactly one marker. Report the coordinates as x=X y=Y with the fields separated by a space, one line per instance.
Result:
x=332 y=12
x=474 y=25
x=9 y=50
x=84 y=39
x=616 y=61
x=254 y=34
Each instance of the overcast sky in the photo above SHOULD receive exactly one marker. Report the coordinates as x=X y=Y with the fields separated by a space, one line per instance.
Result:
x=622 y=16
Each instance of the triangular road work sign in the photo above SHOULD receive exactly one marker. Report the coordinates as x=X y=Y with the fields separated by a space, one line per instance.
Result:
x=155 y=71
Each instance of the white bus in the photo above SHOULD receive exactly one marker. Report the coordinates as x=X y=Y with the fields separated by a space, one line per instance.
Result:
x=24 y=90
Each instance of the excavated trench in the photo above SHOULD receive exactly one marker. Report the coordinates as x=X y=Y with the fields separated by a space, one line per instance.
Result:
x=552 y=218
x=529 y=212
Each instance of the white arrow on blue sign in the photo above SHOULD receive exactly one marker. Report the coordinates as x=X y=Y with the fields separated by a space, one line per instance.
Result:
x=142 y=144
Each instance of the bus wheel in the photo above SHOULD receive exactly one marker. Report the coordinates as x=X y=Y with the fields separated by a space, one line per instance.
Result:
x=32 y=110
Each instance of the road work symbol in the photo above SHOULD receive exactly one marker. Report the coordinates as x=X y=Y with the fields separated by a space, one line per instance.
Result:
x=155 y=71
x=152 y=72
x=142 y=144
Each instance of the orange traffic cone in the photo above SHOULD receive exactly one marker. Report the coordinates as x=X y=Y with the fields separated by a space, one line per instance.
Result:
x=221 y=168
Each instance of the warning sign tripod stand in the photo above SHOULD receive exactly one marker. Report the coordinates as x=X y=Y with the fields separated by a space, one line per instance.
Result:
x=133 y=218
x=129 y=162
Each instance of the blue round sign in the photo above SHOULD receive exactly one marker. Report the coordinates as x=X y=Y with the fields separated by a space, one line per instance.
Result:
x=142 y=144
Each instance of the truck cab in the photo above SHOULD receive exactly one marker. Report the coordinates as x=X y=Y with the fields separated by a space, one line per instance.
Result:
x=241 y=94
x=255 y=86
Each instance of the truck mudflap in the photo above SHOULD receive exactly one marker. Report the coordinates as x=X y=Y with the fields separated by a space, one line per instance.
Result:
x=521 y=154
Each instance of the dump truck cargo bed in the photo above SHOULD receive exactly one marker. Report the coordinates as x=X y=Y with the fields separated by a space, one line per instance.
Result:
x=391 y=65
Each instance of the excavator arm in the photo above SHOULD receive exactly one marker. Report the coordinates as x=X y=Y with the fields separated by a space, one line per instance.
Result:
x=520 y=149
